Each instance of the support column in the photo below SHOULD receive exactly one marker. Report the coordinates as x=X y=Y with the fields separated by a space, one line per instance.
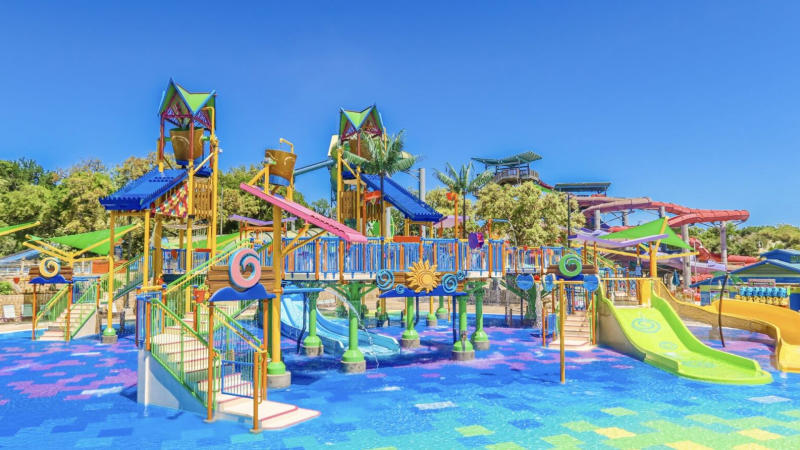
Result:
x=278 y=376
x=146 y=256
x=431 y=319
x=597 y=219
x=109 y=335
x=723 y=243
x=687 y=267
x=462 y=349
x=479 y=338
x=410 y=337
x=624 y=218
x=312 y=344
x=441 y=312
x=189 y=259
x=662 y=211
x=352 y=359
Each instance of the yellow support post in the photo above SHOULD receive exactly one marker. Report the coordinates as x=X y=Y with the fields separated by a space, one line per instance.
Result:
x=146 y=256
x=109 y=335
x=33 y=311
x=189 y=249
x=67 y=334
x=339 y=184
x=276 y=366
x=561 y=318
x=210 y=383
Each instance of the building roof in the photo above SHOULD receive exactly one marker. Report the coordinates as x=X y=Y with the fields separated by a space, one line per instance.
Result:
x=353 y=122
x=786 y=255
x=179 y=106
x=140 y=193
x=582 y=187
x=520 y=158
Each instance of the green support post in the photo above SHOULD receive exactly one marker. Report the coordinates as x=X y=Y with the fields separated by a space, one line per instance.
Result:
x=312 y=344
x=462 y=349
x=352 y=359
x=441 y=312
x=479 y=338
x=410 y=337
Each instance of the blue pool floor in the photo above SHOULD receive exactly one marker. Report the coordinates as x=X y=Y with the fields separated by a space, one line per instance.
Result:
x=83 y=395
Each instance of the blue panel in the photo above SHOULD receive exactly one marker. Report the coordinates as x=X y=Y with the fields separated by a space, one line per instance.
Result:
x=140 y=193
x=794 y=302
x=408 y=204
x=228 y=294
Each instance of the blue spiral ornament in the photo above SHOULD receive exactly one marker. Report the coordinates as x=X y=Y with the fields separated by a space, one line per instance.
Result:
x=240 y=262
x=49 y=267
x=450 y=283
x=384 y=279
x=400 y=289
x=461 y=275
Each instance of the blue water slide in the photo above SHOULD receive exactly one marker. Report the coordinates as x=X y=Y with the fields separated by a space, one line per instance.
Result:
x=407 y=203
x=332 y=332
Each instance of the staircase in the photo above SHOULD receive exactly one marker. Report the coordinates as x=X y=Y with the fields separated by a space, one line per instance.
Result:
x=182 y=347
x=78 y=314
x=577 y=332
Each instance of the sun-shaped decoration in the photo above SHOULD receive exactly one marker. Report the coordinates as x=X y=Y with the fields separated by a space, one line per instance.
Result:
x=422 y=277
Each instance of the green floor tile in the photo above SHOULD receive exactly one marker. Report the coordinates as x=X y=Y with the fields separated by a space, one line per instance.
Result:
x=474 y=430
x=579 y=426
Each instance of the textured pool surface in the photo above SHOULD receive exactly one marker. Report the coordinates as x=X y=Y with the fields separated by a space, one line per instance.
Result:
x=83 y=395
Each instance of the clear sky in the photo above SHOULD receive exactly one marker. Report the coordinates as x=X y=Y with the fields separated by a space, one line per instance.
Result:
x=690 y=102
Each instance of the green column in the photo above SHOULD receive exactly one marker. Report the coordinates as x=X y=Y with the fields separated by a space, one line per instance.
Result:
x=479 y=337
x=352 y=354
x=462 y=326
x=410 y=332
x=441 y=312
x=312 y=340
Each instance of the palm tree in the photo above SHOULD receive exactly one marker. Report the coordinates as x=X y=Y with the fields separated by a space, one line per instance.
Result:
x=462 y=183
x=386 y=157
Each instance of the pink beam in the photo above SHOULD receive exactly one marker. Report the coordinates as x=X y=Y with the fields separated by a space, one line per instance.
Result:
x=327 y=224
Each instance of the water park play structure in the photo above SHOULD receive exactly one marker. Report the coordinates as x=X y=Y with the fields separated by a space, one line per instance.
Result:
x=211 y=312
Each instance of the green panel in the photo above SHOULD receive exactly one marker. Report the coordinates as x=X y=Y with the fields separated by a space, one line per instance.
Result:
x=85 y=240
x=651 y=229
x=14 y=228
x=669 y=345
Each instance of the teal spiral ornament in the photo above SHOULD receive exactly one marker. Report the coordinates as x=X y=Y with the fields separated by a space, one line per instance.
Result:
x=570 y=265
x=400 y=289
x=384 y=279
x=450 y=283
x=461 y=275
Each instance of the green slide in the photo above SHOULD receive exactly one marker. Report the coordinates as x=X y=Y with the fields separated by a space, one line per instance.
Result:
x=657 y=335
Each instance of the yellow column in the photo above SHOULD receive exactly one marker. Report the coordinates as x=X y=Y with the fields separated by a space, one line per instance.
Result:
x=189 y=248
x=561 y=318
x=276 y=366
x=339 y=185
x=109 y=335
x=146 y=256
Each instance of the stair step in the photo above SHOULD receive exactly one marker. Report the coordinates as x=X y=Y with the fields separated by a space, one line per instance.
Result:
x=289 y=419
x=231 y=379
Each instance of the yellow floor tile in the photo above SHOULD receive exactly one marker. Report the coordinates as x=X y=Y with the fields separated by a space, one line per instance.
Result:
x=687 y=445
x=614 y=432
x=750 y=447
x=761 y=435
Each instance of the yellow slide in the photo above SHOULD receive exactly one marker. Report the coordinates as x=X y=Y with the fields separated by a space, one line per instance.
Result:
x=779 y=323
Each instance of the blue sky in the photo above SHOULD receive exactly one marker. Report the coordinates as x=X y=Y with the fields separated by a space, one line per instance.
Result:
x=690 y=102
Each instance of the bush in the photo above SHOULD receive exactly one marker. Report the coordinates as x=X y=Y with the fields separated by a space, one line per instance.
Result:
x=5 y=288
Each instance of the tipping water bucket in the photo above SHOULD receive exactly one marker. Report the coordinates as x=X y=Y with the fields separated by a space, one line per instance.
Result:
x=281 y=172
x=181 y=144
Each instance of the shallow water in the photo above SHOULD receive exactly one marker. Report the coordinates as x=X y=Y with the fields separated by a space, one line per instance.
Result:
x=83 y=394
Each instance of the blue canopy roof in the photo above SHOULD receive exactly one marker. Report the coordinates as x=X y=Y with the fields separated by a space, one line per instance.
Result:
x=407 y=203
x=139 y=194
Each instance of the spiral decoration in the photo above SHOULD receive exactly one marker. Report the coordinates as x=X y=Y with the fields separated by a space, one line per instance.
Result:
x=449 y=283
x=461 y=275
x=49 y=267
x=570 y=265
x=400 y=289
x=241 y=261
x=384 y=279
x=645 y=325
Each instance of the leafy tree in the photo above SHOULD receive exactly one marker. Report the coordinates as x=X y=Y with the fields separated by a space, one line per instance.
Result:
x=15 y=174
x=76 y=208
x=462 y=182
x=386 y=157
x=437 y=198
x=321 y=206
x=534 y=217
